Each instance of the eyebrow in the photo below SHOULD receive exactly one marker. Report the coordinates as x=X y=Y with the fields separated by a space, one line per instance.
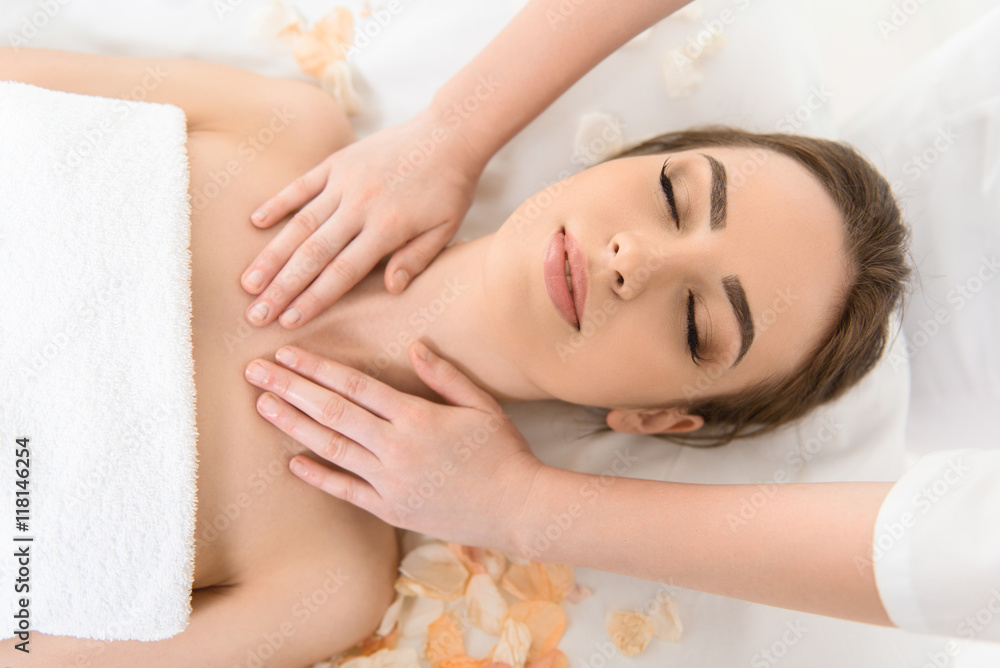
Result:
x=731 y=284
x=718 y=193
x=738 y=299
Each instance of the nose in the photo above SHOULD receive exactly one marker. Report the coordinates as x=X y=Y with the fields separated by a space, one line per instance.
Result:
x=638 y=263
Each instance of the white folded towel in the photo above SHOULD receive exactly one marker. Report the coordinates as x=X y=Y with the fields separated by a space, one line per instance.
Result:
x=96 y=367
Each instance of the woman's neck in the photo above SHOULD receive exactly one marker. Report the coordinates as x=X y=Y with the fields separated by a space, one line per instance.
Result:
x=444 y=307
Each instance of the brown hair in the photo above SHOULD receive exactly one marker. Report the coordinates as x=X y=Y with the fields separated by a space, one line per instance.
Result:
x=876 y=247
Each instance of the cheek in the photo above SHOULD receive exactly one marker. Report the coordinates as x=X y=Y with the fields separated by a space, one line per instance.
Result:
x=613 y=361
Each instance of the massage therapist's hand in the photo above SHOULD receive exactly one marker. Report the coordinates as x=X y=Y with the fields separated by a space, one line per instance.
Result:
x=461 y=472
x=364 y=201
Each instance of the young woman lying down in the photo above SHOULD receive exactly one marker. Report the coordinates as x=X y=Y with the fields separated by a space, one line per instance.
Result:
x=711 y=300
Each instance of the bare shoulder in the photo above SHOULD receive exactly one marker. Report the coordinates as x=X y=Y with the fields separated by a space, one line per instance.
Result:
x=214 y=97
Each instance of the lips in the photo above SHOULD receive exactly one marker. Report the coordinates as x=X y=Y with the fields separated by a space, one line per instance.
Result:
x=565 y=276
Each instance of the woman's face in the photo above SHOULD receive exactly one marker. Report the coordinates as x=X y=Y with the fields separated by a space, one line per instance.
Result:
x=750 y=272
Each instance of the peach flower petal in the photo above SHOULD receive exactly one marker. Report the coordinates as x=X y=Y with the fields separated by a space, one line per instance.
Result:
x=629 y=631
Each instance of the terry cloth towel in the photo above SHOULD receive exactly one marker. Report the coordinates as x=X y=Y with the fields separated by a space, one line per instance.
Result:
x=96 y=368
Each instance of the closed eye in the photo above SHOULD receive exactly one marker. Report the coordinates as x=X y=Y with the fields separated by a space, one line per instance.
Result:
x=668 y=190
x=692 y=331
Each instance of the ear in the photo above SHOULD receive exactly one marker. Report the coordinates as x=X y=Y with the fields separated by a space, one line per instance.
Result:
x=657 y=421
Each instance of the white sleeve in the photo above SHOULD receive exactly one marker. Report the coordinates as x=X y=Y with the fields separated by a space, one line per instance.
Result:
x=936 y=552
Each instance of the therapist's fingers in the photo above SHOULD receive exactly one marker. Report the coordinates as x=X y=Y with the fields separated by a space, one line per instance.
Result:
x=414 y=257
x=444 y=378
x=292 y=196
x=340 y=275
x=317 y=254
x=328 y=444
x=328 y=408
x=341 y=485
x=373 y=395
x=298 y=252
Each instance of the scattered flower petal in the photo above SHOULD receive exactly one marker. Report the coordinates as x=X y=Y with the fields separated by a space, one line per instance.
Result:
x=481 y=559
x=391 y=616
x=681 y=75
x=551 y=659
x=463 y=662
x=338 y=82
x=405 y=657
x=667 y=621
x=513 y=646
x=545 y=621
x=578 y=593
x=417 y=614
x=484 y=605
x=538 y=582
x=435 y=568
x=444 y=640
x=374 y=643
x=327 y=41
x=690 y=12
x=629 y=631
x=598 y=137
x=639 y=39
x=276 y=27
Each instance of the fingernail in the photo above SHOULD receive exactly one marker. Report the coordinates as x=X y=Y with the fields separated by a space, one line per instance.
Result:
x=286 y=357
x=255 y=278
x=256 y=372
x=258 y=215
x=268 y=405
x=400 y=278
x=298 y=468
x=423 y=352
x=291 y=316
x=258 y=312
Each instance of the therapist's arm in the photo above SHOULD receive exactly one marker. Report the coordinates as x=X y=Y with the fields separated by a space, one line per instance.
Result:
x=371 y=197
x=464 y=474
x=799 y=546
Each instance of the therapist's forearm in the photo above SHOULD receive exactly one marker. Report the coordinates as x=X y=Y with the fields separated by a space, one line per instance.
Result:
x=798 y=546
x=543 y=51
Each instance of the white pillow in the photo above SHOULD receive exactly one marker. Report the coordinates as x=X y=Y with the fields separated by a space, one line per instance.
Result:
x=935 y=133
